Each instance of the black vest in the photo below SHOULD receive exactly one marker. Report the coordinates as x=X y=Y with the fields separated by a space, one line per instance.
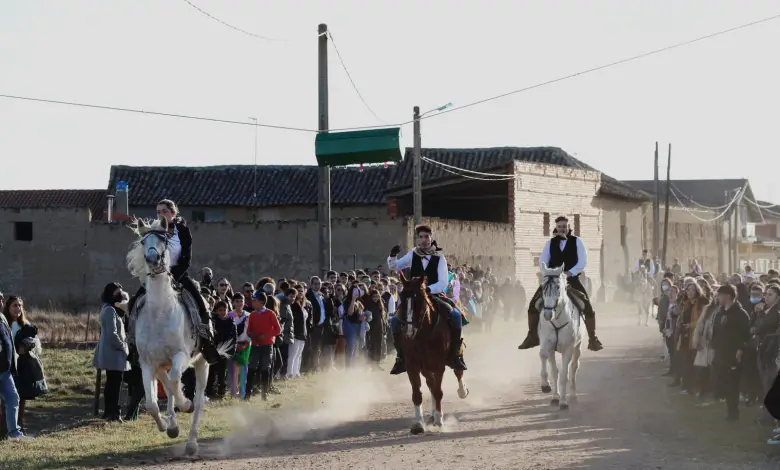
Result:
x=568 y=257
x=431 y=273
x=647 y=264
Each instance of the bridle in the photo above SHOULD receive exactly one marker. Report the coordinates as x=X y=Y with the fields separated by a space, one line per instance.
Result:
x=411 y=302
x=161 y=235
x=557 y=308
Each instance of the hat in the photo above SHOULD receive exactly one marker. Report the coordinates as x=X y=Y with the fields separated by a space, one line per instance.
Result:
x=260 y=295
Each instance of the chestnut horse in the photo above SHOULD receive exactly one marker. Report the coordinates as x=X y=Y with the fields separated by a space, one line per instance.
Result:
x=427 y=349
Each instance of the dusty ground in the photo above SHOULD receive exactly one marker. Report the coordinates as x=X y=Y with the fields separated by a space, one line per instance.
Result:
x=626 y=418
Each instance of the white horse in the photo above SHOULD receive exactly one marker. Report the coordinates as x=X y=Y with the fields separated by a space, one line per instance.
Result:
x=643 y=296
x=164 y=333
x=560 y=330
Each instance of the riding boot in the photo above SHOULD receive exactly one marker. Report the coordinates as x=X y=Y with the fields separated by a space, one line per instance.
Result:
x=207 y=347
x=400 y=363
x=457 y=358
x=532 y=340
x=593 y=342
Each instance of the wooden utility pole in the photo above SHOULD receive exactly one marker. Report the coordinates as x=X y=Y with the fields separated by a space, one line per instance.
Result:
x=666 y=205
x=731 y=222
x=323 y=195
x=656 y=205
x=416 y=169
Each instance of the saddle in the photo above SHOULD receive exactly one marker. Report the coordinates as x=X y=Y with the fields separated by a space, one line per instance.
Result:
x=576 y=297
x=184 y=297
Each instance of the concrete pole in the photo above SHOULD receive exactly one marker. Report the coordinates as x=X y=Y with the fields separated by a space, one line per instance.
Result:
x=323 y=195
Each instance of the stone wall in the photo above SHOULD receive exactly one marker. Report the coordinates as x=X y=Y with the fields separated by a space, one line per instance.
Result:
x=70 y=259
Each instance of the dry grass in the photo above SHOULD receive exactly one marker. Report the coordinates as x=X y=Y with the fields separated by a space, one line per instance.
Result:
x=56 y=327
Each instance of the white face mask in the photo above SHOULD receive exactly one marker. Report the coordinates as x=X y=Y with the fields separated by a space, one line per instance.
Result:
x=665 y=287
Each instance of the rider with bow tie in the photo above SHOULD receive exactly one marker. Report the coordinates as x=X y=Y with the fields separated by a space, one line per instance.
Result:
x=566 y=250
x=427 y=260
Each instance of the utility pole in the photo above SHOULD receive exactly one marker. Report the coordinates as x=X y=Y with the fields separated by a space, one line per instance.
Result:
x=730 y=250
x=417 y=170
x=666 y=205
x=656 y=205
x=736 y=216
x=323 y=195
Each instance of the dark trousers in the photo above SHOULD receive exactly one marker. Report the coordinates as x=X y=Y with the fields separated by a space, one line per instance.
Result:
x=217 y=384
x=111 y=391
x=772 y=398
x=280 y=359
x=260 y=364
x=685 y=369
x=313 y=349
x=672 y=353
x=729 y=379
x=188 y=384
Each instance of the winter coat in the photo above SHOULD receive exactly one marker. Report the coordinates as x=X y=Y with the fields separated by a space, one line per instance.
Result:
x=112 y=350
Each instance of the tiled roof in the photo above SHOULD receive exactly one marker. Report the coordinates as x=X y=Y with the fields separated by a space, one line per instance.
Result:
x=93 y=199
x=490 y=159
x=701 y=194
x=234 y=185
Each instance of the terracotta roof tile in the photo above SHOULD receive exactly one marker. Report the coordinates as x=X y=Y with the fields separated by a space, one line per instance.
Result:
x=93 y=199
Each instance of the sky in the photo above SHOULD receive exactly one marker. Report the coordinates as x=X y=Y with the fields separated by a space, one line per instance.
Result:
x=715 y=101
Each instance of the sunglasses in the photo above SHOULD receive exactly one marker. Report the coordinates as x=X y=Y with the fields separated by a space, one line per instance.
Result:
x=223 y=285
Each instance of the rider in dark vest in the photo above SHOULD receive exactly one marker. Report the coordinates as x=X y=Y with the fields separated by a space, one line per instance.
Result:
x=427 y=260
x=566 y=250
x=180 y=234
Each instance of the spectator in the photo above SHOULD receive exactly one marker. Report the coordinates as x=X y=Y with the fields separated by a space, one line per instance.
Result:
x=225 y=333
x=8 y=390
x=731 y=332
x=112 y=349
x=262 y=328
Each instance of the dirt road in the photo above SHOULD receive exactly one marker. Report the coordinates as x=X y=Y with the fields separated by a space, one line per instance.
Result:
x=626 y=418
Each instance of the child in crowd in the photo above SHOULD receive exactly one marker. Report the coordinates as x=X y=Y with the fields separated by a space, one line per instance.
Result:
x=224 y=333
x=262 y=328
x=238 y=366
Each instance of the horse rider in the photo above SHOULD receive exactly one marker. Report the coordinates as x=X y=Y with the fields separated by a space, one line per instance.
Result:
x=645 y=261
x=566 y=250
x=179 y=243
x=427 y=260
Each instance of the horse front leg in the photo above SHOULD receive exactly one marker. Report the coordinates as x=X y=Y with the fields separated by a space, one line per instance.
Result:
x=544 y=354
x=575 y=366
x=180 y=363
x=418 y=427
x=173 y=428
x=566 y=357
x=463 y=390
x=201 y=377
x=434 y=380
x=556 y=397
x=150 y=389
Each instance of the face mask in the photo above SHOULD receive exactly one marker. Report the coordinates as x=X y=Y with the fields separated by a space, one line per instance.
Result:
x=755 y=300
x=665 y=287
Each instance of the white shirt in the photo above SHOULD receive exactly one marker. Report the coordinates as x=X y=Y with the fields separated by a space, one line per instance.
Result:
x=174 y=247
x=639 y=263
x=397 y=264
x=582 y=256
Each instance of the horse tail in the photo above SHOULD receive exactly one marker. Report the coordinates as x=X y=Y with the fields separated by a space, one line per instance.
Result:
x=225 y=349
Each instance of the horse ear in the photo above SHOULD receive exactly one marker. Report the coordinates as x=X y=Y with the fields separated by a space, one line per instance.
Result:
x=164 y=223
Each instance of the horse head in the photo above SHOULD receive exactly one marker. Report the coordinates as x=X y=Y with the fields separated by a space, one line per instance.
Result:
x=147 y=255
x=553 y=288
x=415 y=306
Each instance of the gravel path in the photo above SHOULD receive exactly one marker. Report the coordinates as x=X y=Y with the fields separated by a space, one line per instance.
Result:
x=626 y=418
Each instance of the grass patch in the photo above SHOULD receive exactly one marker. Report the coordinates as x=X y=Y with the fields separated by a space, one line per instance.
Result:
x=69 y=436
x=57 y=327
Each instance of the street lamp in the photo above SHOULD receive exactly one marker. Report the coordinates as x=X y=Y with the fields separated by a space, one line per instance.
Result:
x=416 y=162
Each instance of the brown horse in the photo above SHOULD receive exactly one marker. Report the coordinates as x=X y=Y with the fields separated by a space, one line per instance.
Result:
x=426 y=346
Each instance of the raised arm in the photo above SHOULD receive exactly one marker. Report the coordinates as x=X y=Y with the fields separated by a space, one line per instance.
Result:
x=399 y=264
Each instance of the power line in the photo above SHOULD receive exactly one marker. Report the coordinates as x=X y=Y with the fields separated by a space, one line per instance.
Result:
x=602 y=67
x=291 y=128
x=739 y=194
x=349 y=75
x=235 y=28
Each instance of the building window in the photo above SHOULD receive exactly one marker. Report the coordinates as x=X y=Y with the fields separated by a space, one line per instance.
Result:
x=623 y=236
x=577 y=225
x=546 y=224
x=198 y=216
x=23 y=231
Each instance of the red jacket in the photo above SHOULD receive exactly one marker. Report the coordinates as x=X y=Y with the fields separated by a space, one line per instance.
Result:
x=262 y=327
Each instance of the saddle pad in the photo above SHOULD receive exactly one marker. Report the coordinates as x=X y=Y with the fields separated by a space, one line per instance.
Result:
x=574 y=295
x=184 y=297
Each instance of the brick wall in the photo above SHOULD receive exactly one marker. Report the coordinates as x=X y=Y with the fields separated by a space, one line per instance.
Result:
x=556 y=190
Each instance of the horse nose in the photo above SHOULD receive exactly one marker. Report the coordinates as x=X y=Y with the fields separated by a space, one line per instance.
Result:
x=547 y=315
x=152 y=256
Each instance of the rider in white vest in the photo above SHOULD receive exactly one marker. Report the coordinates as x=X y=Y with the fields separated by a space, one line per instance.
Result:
x=566 y=250
x=427 y=260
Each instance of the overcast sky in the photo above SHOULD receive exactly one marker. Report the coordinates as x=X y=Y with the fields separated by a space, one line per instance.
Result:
x=716 y=101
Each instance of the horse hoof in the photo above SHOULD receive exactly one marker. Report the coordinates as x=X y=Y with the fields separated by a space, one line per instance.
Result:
x=173 y=433
x=546 y=389
x=430 y=421
x=417 y=428
x=555 y=402
x=191 y=448
x=564 y=407
x=189 y=408
x=463 y=393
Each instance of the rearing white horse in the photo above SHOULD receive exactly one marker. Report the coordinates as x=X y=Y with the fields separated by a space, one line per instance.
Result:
x=164 y=333
x=560 y=330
